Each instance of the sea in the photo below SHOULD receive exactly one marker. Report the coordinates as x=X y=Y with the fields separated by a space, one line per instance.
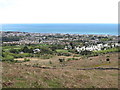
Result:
x=66 y=28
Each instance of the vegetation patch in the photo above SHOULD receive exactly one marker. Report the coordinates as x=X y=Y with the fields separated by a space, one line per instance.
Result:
x=108 y=50
x=69 y=59
x=21 y=84
x=77 y=55
x=53 y=83
x=62 y=51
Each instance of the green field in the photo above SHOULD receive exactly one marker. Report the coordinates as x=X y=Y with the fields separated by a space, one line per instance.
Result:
x=108 y=50
x=62 y=51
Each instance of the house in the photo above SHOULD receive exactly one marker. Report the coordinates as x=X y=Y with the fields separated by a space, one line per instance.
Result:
x=91 y=47
x=21 y=52
x=36 y=50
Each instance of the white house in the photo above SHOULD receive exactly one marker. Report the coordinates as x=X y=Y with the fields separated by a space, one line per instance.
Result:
x=36 y=50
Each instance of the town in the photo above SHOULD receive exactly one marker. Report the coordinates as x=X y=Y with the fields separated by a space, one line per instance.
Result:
x=81 y=42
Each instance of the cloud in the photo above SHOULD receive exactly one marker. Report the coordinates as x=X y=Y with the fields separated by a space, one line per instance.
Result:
x=6 y=3
x=58 y=11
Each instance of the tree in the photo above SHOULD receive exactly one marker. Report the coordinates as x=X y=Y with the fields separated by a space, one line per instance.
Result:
x=30 y=50
x=14 y=51
x=25 y=49
x=71 y=44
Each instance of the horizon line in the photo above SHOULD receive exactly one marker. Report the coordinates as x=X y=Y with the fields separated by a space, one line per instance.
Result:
x=58 y=23
x=64 y=33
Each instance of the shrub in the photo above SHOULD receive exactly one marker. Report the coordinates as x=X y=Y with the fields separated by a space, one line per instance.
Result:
x=35 y=65
x=107 y=59
x=107 y=56
x=72 y=59
x=50 y=62
x=76 y=55
x=66 y=54
x=61 y=60
x=16 y=61
x=26 y=59
x=63 y=54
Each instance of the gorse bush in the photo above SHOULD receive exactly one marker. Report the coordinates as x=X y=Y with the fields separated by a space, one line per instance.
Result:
x=61 y=60
x=76 y=55
x=72 y=59
x=63 y=54
x=26 y=59
x=50 y=62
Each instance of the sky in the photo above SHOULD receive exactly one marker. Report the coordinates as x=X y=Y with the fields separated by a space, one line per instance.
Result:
x=59 y=11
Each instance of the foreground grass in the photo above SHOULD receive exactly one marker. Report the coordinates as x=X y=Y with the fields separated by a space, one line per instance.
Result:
x=20 y=76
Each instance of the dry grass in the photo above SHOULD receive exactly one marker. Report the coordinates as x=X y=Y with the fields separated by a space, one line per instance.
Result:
x=20 y=76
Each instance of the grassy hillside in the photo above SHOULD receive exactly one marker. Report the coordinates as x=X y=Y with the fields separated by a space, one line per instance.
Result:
x=19 y=75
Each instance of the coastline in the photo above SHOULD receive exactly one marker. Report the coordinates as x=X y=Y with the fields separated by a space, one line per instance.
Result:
x=101 y=34
x=68 y=28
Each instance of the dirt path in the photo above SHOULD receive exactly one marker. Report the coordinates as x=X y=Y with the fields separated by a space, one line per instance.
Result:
x=97 y=68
